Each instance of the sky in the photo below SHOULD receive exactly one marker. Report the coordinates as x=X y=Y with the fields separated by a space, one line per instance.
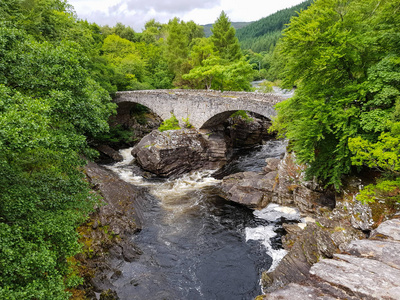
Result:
x=136 y=13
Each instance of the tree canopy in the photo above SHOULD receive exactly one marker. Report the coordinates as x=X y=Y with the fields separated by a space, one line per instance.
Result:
x=343 y=57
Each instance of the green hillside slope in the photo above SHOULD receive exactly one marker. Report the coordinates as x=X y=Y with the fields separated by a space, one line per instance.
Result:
x=263 y=34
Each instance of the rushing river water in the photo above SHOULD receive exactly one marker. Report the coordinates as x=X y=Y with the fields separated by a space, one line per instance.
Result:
x=195 y=244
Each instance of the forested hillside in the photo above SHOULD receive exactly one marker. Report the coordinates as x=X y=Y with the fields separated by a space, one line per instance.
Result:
x=262 y=35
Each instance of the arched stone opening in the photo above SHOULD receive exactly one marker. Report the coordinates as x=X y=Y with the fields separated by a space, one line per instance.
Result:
x=220 y=118
x=131 y=113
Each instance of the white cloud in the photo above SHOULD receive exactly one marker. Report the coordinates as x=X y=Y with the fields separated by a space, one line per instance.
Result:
x=136 y=13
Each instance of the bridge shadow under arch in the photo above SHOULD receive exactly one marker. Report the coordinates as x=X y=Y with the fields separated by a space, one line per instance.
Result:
x=220 y=118
x=127 y=111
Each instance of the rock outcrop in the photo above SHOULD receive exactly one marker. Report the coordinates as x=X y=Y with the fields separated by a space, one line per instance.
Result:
x=282 y=183
x=248 y=132
x=106 y=234
x=175 y=152
x=367 y=269
x=331 y=223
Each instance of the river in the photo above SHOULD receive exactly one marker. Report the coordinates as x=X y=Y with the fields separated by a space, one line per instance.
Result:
x=195 y=244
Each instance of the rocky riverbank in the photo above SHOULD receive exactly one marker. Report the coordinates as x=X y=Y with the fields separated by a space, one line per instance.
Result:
x=366 y=269
x=331 y=224
x=105 y=235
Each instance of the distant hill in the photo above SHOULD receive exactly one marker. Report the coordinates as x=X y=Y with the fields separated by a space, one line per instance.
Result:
x=263 y=34
x=236 y=25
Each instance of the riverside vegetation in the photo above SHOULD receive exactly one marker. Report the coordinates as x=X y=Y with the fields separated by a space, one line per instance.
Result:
x=57 y=74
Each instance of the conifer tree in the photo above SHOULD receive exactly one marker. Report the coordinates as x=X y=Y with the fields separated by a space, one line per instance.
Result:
x=224 y=39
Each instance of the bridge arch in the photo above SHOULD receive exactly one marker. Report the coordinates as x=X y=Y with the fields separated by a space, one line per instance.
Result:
x=203 y=109
x=219 y=118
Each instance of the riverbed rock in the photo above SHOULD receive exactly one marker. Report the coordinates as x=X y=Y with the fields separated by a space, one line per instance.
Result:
x=247 y=132
x=106 y=235
x=283 y=183
x=108 y=154
x=388 y=230
x=272 y=164
x=175 y=152
x=367 y=269
x=249 y=188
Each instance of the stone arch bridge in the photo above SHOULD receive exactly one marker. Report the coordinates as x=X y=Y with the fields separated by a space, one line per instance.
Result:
x=203 y=109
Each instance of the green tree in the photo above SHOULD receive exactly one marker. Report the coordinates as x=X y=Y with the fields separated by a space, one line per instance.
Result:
x=177 y=50
x=224 y=38
x=334 y=53
x=49 y=106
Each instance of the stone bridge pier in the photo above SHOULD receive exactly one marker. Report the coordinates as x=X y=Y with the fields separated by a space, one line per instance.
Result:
x=203 y=109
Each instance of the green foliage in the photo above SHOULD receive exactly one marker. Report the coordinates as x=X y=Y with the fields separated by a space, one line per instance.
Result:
x=224 y=39
x=49 y=107
x=383 y=155
x=170 y=124
x=342 y=57
x=262 y=35
x=186 y=123
x=387 y=191
x=221 y=75
x=243 y=115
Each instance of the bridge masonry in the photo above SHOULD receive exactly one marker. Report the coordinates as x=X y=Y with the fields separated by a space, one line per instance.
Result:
x=203 y=109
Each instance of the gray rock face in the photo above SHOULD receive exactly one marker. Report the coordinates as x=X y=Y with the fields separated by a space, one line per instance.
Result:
x=249 y=188
x=369 y=270
x=307 y=247
x=110 y=153
x=366 y=278
x=299 y=292
x=175 y=152
x=389 y=229
x=282 y=184
x=384 y=251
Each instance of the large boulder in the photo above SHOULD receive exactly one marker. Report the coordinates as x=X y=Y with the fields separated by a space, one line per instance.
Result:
x=175 y=152
x=249 y=188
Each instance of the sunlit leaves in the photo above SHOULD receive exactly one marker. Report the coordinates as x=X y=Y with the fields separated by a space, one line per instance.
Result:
x=345 y=66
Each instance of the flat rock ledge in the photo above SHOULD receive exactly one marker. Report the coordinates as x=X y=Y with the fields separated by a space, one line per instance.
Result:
x=366 y=269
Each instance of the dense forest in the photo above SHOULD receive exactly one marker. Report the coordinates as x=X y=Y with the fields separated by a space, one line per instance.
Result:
x=58 y=75
x=262 y=35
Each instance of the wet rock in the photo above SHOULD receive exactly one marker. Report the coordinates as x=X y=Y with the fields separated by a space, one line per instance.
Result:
x=247 y=132
x=248 y=188
x=369 y=269
x=130 y=251
x=109 y=295
x=109 y=154
x=272 y=164
x=306 y=247
x=175 y=152
x=106 y=235
x=283 y=184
